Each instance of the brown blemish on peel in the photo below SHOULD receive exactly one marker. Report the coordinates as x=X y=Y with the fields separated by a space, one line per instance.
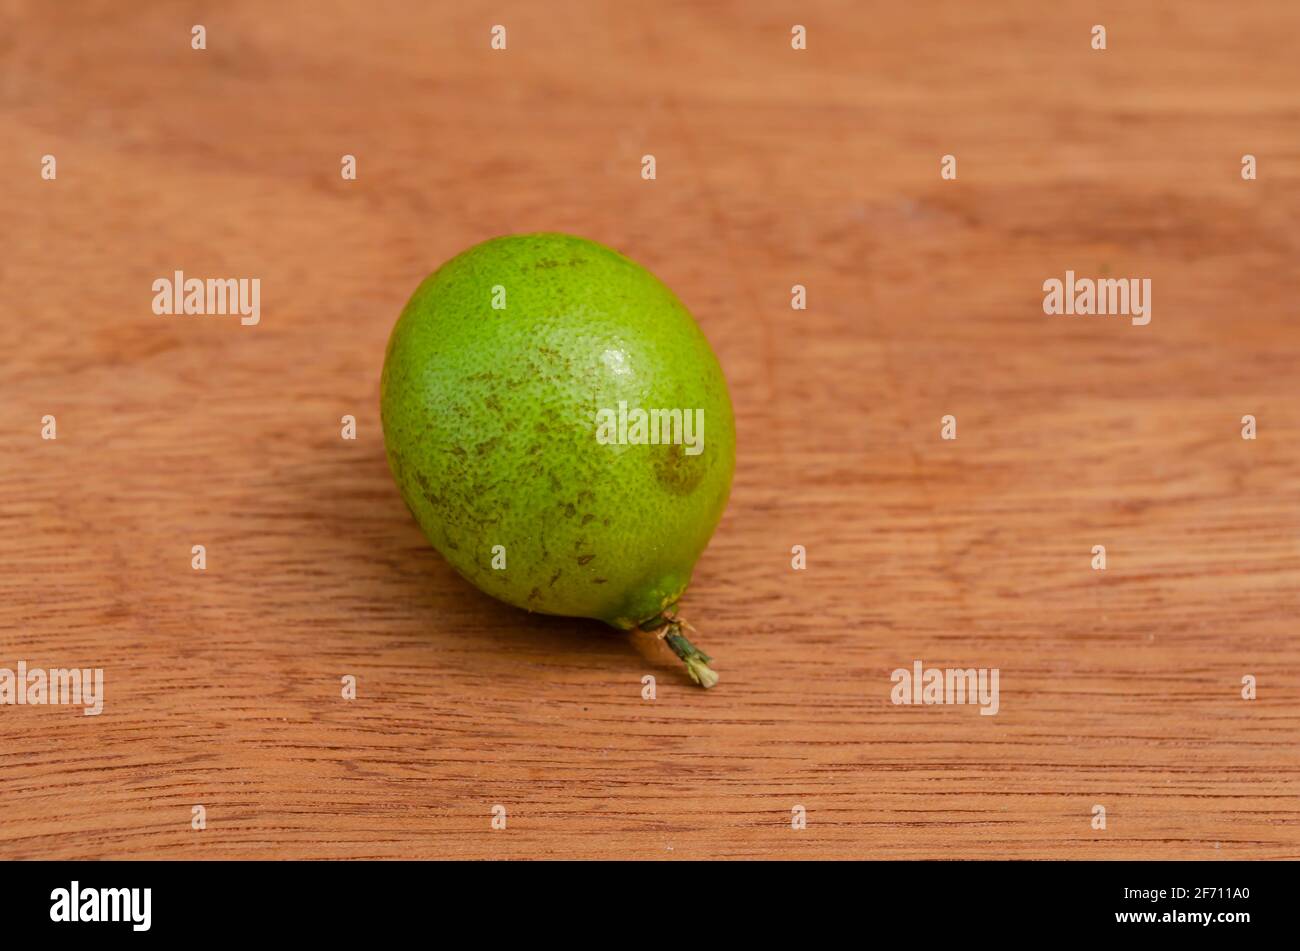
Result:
x=678 y=472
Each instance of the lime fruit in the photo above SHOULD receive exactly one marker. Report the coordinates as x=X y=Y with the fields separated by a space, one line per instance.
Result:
x=561 y=431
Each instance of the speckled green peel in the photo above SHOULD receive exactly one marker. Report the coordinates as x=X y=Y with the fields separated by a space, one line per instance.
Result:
x=490 y=425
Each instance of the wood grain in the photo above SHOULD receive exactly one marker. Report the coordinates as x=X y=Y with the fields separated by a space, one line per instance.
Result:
x=775 y=167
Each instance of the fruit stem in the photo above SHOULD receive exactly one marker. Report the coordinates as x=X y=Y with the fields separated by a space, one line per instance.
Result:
x=696 y=661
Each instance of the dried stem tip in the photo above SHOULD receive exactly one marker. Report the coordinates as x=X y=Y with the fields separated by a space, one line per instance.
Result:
x=697 y=662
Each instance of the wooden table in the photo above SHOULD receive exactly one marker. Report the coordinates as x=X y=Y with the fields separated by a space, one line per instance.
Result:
x=1120 y=688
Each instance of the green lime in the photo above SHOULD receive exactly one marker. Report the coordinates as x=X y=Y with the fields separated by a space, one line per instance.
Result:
x=561 y=430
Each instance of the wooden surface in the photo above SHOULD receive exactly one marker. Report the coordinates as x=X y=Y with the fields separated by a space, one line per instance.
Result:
x=775 y=167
